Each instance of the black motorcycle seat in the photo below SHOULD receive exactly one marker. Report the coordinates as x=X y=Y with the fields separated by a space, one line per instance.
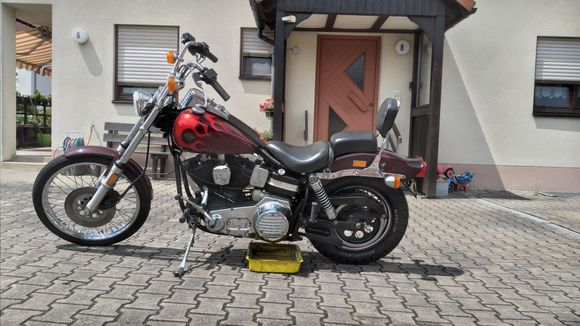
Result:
x=302 y=159
x=348 y=142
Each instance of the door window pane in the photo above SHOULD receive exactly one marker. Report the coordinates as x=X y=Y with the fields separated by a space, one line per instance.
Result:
x=552 y=96
x=356 y=72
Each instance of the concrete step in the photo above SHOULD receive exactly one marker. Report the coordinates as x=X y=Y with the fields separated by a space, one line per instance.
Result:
x=31 y=158
x=19 y=166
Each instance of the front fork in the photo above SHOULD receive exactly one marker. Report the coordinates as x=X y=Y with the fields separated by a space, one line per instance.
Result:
x=126 y=149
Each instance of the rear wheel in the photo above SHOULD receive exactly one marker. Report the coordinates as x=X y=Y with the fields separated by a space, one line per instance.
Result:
x=367 y=228
x=64 y=187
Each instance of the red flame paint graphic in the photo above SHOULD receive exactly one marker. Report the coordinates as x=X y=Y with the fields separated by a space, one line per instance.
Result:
x=209 y=134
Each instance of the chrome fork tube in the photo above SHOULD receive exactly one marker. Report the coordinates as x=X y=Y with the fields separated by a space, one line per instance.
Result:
x=108 y=182
x=125 y=143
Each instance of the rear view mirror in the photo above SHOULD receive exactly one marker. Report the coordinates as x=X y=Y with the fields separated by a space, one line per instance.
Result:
x=386 y=116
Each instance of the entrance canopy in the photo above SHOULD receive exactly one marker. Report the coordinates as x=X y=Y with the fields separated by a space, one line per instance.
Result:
x=361 y=16
x=34 y=50
x=431 y=17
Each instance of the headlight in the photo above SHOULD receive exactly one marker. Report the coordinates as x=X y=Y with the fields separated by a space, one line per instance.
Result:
x=140 y=101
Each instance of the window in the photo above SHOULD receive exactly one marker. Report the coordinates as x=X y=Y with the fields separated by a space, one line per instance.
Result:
x=140 y=61
x=557 y=88
x=256 y=55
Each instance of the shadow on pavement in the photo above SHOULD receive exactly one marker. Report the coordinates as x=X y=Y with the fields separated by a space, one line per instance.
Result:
x=236 y=257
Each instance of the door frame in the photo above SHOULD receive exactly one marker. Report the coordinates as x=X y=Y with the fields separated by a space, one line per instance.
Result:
x=320 y=38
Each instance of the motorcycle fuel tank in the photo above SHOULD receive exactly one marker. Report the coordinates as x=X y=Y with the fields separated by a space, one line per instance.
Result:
x=210 y=134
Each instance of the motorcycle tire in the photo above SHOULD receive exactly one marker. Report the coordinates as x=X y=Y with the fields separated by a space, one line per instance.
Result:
x=396 y=219
x=55 y=225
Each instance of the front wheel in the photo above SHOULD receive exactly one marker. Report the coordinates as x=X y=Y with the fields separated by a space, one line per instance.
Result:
x=65 y=185
x=368 y=226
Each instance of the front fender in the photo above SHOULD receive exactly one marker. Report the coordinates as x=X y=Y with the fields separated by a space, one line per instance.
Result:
x=109 y=153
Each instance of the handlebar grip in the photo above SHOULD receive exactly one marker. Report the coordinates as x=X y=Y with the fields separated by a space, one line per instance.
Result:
x=220 y=90
x=211 y=56
x=186 y=37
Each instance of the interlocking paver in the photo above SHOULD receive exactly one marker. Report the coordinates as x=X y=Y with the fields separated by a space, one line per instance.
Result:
x=462 y=262
x=240 y=316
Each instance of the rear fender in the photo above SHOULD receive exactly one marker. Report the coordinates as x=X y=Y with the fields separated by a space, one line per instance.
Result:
x=390 y=163
x=109 y=153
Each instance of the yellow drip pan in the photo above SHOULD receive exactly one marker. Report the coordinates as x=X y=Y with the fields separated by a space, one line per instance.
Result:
x=273 y=257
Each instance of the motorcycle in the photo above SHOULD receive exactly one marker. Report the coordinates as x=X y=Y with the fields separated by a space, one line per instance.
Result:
x=345 y=195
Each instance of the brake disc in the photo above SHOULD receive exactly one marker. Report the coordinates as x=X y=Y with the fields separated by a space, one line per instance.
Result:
x=74 y=206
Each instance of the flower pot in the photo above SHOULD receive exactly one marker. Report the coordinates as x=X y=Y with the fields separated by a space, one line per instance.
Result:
x=269 y=113
x=43 y=140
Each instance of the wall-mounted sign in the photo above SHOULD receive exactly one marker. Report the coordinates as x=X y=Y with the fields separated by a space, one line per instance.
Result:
x=402 y=47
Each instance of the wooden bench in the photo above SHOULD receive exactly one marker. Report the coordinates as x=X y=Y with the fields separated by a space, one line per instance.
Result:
x=117 y=132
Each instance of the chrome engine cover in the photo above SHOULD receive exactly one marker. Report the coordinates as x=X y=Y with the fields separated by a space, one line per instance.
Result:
x=271 y=222
x=267 y=219
x=222 y=175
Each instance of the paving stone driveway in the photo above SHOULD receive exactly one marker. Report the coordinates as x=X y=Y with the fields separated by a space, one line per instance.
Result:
x=462 y=262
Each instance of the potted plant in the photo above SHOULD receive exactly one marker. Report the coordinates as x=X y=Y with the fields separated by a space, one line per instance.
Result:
x=266 y=135
x=268 y=107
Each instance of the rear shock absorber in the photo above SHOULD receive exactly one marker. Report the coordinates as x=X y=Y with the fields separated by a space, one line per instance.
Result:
x=316 y=185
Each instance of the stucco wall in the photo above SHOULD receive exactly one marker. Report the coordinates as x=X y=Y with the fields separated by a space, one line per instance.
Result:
x=488 y=87
x=395 y=74
x=83 y=77
x=7 y=83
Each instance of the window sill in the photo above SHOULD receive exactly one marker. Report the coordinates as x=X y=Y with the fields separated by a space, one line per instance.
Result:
x=245 y=77
x=122 y=102
x=548 y=112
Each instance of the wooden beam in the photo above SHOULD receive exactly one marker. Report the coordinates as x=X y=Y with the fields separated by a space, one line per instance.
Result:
x=427 y=24
x=435 y=114
x=366 y=7
x=279 y=76
x=379 y=23
x=330 y=21
x=353 y=30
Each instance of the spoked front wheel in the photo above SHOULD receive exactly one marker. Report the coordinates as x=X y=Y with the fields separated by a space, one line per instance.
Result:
x=64 y=187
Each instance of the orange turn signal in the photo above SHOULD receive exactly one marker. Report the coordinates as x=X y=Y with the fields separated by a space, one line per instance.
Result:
x=397 y=183
x=171 y=84
x=171 y=57
x=393 y=181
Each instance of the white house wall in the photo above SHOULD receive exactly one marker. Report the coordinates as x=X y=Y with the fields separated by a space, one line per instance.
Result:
x=487 y=98
x=83 y=75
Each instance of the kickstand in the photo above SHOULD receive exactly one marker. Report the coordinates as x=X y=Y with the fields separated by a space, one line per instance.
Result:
x=181 y=270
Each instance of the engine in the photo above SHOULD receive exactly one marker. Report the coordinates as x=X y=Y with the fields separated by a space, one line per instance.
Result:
x=268 y=219
x=246 y=198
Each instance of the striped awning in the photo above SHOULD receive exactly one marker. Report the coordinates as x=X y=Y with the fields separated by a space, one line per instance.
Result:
x=34 y=50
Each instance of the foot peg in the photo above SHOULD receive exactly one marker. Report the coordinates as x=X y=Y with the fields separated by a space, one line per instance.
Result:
x=181 y=270
x=185 y=216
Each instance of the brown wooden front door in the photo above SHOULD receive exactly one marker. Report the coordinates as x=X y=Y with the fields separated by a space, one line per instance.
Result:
x=346 y=84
